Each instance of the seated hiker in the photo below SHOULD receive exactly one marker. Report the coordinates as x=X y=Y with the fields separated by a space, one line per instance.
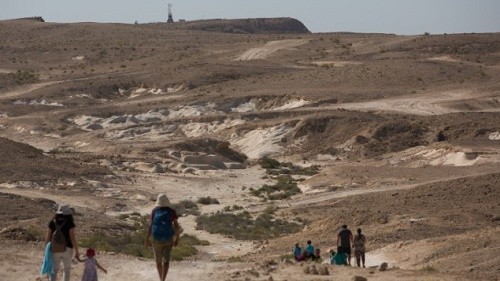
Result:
x=332 y=256
x=309 y=251
x=297 y=252
x=317 y=255
x=340 y=258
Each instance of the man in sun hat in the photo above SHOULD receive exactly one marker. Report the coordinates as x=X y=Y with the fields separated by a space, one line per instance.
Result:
x=63 y=209
x=163 y=233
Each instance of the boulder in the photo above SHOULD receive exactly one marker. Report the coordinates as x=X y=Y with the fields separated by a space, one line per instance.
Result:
x=383 y=267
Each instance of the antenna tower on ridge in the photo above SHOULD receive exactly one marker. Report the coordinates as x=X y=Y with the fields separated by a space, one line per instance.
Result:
x=170 y=18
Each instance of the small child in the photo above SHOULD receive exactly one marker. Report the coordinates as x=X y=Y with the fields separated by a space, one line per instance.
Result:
x=332 y=257
x=90 y=266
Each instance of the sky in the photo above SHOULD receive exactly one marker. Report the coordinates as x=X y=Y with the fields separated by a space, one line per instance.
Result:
x=382 y=16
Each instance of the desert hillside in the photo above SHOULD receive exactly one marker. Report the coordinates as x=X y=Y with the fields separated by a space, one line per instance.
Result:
x=262 y=135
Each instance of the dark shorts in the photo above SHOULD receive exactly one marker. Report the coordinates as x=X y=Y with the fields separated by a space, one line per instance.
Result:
x=162 y=250
x=346 y=250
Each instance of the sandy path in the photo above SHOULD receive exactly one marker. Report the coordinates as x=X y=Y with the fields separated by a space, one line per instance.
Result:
x=426 y=104
x=270 y=48
x=6 y=70
x=22 y=261
x=26 y=89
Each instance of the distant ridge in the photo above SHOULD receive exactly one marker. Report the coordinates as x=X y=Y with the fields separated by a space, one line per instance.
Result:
x=248 y=26
x=39 y=19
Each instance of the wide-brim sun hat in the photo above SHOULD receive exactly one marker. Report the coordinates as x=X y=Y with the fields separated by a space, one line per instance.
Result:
x=162 y=201
x=63 y=209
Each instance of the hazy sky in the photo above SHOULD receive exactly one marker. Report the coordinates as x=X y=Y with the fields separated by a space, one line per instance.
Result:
x=387 y=16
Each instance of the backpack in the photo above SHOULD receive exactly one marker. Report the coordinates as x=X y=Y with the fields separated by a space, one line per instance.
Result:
x=58 y=241
x=161 y=227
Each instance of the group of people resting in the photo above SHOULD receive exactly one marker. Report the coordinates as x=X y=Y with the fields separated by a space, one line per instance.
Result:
x=345 y=241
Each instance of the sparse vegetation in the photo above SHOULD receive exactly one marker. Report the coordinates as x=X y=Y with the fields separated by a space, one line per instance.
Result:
x=429 y=269
x=207 y=201
x=243 y=227
x=186 y=207
x=274 y=167
x=283 y=189
x=24 y=77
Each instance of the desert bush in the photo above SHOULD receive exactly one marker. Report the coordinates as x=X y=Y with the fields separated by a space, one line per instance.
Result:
x=269 y=163
x=429 y=269
x=242 y=226
x=207 y=201
x=283 y=189
x=274 y=167
x=186 y=247
x=232 y=208
x=24 y=77
x=186 y=207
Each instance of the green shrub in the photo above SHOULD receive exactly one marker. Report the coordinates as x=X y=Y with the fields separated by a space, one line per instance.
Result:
x=429 y=269
x=186 y=247
x=242 y=226
x=269 y=163
x=283 y=189
x=186 y=207
x=274 y=167
x=207 y=201
x=25 y=77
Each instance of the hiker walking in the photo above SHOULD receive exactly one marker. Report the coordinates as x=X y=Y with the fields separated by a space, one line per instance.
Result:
x=163 y=234
x=62 y=239
x=90 y=266
x=344 y=240
x=359 y=248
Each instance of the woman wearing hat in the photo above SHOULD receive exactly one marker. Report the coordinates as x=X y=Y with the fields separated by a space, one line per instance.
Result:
x=61 y=230
x=163 y=234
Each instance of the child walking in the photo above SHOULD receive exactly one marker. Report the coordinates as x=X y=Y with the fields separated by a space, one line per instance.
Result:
x=90 y=266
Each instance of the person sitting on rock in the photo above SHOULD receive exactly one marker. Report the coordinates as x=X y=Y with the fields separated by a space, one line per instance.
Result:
x=297 y=252
x=340 y=258
x=309 y=251
x=317 y=255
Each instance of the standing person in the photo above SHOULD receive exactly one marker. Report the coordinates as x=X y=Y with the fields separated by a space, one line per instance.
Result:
x=61 y=235
x=163 y=234
x=90 y=266
x=359 y=248
x=344 y=240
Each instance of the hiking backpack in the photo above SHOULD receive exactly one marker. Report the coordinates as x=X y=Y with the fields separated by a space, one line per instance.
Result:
x=58 y=241
x=161 y=227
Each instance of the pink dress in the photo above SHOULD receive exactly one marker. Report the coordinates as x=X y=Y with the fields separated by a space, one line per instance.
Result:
x=90 y=270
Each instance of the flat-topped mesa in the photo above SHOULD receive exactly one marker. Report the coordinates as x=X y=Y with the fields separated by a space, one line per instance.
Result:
x=248 y=26
x=36 y=18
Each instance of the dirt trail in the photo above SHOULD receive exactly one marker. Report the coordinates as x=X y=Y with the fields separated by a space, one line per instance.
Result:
x=26 y=89
x=270 y=48
x=425 y=104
